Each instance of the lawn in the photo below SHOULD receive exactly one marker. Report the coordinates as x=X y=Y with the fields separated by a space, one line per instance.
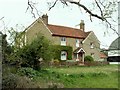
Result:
x=68 y=77
x=88 y=77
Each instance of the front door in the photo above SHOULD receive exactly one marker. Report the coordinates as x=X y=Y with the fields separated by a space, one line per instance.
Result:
x=78 y=56
x=63 y=55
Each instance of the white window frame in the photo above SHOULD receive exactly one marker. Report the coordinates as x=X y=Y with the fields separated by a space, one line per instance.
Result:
x=63 y=41
x=63 y=55
x=77 y=43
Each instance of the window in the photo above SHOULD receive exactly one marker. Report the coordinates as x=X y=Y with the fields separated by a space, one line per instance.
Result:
x=63 y=55
x=63 y=41
x=91 y=45
x=77 y=42
x=92 y=54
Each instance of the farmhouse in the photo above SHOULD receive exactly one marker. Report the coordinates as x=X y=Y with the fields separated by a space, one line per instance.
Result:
x=83 y=43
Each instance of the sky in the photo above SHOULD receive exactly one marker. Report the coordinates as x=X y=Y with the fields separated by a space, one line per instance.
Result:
x=14 y=12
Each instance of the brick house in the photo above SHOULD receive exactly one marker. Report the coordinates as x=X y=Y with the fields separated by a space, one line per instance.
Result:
x=83 y=43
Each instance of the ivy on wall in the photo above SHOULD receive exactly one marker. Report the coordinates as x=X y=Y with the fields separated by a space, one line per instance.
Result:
x=57 y=51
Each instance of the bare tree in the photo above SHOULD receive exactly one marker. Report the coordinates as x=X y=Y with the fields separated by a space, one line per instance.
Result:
x=104 y=9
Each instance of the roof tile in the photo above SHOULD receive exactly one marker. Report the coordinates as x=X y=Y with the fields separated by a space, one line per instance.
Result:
x=67 y=31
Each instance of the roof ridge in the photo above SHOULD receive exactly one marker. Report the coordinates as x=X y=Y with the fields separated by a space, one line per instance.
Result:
x=65 y=27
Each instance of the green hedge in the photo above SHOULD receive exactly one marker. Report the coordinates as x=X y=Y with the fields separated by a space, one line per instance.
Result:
x=89 y=58
x=57 y=51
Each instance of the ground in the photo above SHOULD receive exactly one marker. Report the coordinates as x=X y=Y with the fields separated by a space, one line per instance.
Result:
x=82 y=77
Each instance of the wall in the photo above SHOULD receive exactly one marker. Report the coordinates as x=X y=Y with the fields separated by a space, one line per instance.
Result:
x=86 y=46
x=39 y=28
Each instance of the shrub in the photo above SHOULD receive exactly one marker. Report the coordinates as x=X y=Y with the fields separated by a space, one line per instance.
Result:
x=9 y=81
x=30 y=54
x=88 y=58
x=30 y=72
x=15 y=81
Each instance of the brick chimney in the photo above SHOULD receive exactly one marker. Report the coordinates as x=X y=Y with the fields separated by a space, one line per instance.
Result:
x=45 y=18
x=82 y=25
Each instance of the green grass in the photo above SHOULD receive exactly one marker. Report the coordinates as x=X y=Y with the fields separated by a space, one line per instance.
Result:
x=83 y=69
x=73 y=77
x=84 y=77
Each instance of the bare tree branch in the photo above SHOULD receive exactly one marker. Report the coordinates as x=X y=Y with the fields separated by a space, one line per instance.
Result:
x=101 y=3
x=99 y=8
x=88 y=11
x=53 y=5
x=31 y=7
x=110 y=25
x=105 y=13
x=1 y=18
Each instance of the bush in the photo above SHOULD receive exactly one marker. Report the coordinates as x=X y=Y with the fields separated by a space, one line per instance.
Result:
x=30 y=72
x=9 y=81
x=88 y=58
x=13 y=81
x=30 y=54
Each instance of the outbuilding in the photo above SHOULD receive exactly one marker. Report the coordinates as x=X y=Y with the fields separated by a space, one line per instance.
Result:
x=114 y=51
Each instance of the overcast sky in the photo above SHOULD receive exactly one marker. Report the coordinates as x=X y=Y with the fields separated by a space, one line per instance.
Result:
x=14 y=12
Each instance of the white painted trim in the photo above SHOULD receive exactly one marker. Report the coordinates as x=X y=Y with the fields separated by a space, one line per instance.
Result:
x=89 y=36
x=80 y=50
x=113 y=53
x=35 y=23
x=46 y=26
x=64 y=57
x=86 y=37
x=114 y=62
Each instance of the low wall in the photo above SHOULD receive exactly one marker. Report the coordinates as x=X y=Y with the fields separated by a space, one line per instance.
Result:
x=75 y=63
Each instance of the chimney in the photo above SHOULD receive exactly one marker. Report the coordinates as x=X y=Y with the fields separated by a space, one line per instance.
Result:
x=45 y=18
x=82 y=25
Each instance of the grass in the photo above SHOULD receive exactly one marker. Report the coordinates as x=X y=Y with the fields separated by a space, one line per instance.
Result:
x=73 y=77
x=83 y=69
x=86 y=77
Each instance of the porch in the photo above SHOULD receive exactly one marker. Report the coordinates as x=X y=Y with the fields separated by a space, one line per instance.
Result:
x=79 y=55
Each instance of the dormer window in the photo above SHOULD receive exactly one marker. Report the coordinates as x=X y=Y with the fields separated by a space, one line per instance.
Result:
x=91 y=45
x=63 y=41
x=77 y=43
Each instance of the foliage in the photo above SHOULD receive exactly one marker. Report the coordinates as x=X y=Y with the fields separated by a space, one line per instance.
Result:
x=12 y=79
x=29 y=72
x=88 y=58
x=30 y=54
x=77 y=77
x=5 y=47
x=57 y=51
x=9 y=81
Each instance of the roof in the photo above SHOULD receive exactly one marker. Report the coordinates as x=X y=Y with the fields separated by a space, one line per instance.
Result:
x=102 y=55
x=67 y=31
x=115 y=45
x=79 y=49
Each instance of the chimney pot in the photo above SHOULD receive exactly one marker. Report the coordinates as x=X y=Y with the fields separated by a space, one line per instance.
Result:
x=45 y=18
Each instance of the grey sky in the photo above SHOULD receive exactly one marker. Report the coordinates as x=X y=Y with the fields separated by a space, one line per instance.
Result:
x=14 y=12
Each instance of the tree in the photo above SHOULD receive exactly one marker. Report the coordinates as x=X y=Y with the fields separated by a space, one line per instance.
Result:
x=29 y=55
x=5 y=47
x=100 y=9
